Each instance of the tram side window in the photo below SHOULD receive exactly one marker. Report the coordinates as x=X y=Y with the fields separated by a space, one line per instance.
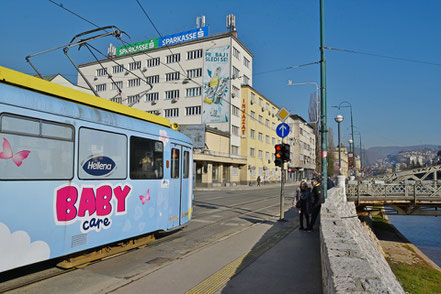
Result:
x=102 y=155
x=186 y=164
x=35 y=149
x=146 y=158
x=175 y=163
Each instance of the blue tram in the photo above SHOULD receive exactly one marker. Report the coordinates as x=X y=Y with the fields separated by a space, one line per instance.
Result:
x=78 y=171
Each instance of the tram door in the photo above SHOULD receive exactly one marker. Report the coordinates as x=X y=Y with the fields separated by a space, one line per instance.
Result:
x=180 y=185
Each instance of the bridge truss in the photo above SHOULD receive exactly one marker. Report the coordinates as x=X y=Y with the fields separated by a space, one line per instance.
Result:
x=415 y=192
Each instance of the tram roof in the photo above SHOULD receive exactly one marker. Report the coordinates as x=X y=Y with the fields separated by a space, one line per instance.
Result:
x=26 y=81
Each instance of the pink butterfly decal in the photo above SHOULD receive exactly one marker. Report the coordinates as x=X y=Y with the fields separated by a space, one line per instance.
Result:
x=145 y=198
x=7 y=153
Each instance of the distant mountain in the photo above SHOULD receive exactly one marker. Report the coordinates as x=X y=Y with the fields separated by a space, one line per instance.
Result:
x=375 y=153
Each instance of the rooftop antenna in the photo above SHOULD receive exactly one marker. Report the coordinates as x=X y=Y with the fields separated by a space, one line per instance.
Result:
x=200 y=21
x=231 y=22
x=111 y=51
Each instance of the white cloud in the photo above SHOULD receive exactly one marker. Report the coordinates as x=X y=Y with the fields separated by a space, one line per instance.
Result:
x=16 y=249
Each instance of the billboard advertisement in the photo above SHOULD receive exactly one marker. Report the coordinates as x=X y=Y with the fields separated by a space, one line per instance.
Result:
x=163 y=41
x=216 y=80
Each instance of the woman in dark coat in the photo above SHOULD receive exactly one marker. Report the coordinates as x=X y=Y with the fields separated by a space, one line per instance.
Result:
x=303 y=203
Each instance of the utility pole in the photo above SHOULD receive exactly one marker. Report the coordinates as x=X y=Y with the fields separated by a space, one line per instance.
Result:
x=324 y=127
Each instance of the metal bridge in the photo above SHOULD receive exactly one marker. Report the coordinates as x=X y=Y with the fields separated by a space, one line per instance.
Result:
x=415 y=192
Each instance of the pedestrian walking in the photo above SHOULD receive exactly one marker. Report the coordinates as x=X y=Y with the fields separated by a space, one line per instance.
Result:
x=303 y=203
x=317 y=199
x=258 y=180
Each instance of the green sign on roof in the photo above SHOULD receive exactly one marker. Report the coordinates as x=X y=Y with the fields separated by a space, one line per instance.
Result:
x=137 y=47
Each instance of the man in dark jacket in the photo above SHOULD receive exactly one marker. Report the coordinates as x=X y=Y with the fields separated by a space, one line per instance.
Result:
x=317 y=199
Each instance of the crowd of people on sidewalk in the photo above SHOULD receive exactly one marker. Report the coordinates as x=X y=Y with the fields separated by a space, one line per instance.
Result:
x=308 y=202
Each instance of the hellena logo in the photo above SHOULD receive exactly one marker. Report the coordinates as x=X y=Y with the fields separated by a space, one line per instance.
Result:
x=99 y=166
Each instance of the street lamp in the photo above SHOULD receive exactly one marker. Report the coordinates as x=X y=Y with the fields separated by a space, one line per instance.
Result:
x=339 y=118
x=352 y=121
x=290 y=83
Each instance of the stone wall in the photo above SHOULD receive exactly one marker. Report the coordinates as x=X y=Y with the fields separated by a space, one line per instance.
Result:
x=351 y=261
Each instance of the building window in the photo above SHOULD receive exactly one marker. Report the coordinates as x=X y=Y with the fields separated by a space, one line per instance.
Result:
x=171 y=94
x=101 y=72
x=246 y=62
x=173 y=58
x=235 y=92
x=194 y=73
x=253 y=115
x=117 y=85
x=235 y=73
x=117 y=68
x=260 y=137
x=234 y=150
x=252 y=152
x=193 y=92
x=267 y=139
x=153 y=62
x=194 y=54
x=260 y=119
x=116 y=99
x=273 y=125
x=252 y=133
x=235 y=130
x=253 y=98
x=193 y=110
x=132 y=99
x=172 y=76
x=267 y=123
x=236 y=53
x=273 y=141
x=152 y=96
x=260 y=154
x=173 y=112
x=245 y=80
x=135 y=82
x=152 y=79
x=260 y=102
x=101 y=87
x=236 y=111
x=134 y=65
x=267 y=155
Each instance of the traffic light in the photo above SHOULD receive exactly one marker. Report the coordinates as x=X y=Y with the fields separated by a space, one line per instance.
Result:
x=278 y=155
x=286 y=152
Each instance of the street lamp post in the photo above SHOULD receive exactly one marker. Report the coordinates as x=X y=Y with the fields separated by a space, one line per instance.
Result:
x=352 y=121
x=290 y=83
x=353 y=153
x=339 y=118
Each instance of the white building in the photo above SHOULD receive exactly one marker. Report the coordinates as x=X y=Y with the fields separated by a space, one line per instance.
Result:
x=193 y=82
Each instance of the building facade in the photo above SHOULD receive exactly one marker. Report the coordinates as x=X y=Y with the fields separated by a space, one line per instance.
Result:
x=195 y=82
x=258 y=131
x=303 y=153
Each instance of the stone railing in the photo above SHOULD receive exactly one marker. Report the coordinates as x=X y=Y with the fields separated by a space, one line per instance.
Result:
x=351 y=261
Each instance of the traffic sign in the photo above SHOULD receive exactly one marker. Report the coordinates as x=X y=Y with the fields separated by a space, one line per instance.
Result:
x=282 y=130
x=283 y=114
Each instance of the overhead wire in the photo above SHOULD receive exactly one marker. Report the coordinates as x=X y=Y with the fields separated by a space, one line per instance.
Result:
x=383 y=56
x=185 y=74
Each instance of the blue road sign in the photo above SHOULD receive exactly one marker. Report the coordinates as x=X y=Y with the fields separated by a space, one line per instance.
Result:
x=282 y=130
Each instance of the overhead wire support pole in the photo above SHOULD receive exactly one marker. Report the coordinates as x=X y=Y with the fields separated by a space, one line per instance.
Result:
x=324 y=127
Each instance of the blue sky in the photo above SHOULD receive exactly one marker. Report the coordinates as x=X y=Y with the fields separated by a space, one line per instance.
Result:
x=395 y=103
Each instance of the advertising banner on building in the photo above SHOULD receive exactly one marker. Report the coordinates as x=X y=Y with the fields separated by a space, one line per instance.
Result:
x=196 y=133
x=216 y=80
x=183 y=37
x=137 y=47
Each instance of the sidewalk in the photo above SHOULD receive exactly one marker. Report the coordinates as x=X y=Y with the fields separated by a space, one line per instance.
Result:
x=291 y=265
